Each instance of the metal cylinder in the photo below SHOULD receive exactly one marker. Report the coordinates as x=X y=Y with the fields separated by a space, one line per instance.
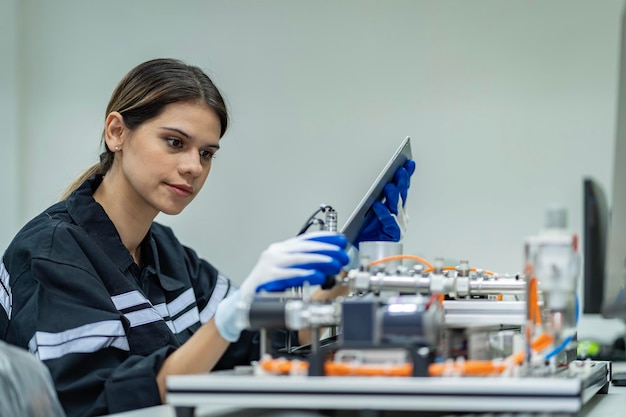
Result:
x=401 y=283
x=266 y=314
x=300 y=315
x=331 y=220
x=486 y=287
x=463 y=269
x=419 y=284
x=410 y=323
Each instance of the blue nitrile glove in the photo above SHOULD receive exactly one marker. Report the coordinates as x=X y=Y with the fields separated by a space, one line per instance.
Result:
x=389 y=221
x=308 y=258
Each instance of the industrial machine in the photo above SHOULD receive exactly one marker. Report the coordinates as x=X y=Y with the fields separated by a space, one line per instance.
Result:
x=412 y=335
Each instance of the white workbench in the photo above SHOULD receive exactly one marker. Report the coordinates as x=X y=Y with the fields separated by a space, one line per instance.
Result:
x=612 y=404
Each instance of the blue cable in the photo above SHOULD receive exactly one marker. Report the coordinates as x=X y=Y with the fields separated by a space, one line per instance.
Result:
x=560 y=348
x=568 y=339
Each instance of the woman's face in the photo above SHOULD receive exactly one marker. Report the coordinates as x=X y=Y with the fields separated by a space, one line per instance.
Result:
x=165 y=161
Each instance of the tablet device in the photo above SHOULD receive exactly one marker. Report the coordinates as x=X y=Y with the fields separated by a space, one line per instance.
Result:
x=363 y=211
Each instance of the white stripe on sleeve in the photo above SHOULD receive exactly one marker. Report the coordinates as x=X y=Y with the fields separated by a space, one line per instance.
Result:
x=6 y=297
x=144 y=316
x=162 y=310
x=129 y=299
x=219 y=292
x=181 y=302
x=186 y=320
x=88 y=338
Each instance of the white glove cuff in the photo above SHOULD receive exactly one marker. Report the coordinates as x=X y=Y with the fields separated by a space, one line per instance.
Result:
x=227 y=317
x=355 y=261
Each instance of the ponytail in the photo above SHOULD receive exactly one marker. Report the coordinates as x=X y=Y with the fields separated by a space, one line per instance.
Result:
x=102 y=167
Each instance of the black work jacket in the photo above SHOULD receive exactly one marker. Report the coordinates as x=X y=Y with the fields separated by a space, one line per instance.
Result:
x=72 y=295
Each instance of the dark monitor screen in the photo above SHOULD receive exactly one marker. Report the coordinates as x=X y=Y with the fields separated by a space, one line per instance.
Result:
x=595 y=219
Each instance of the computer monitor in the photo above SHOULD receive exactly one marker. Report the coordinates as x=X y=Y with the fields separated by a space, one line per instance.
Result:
x=595 y=220
x=614 y=304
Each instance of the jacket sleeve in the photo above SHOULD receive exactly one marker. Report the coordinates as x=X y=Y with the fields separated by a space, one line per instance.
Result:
x=65 y=315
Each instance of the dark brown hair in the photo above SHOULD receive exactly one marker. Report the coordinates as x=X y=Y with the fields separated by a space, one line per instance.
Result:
x=143 y=94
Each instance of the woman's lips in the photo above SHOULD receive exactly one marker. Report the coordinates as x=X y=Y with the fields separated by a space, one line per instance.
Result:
x=182 y=190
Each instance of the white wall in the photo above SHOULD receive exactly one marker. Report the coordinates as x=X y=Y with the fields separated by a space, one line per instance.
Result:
x=509 y=105
x=10 y=180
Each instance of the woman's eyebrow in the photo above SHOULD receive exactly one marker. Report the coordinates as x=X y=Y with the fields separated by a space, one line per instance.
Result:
x=174 y=129
x=187 y=136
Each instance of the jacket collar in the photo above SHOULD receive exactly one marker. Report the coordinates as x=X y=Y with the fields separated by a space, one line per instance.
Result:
x=91 y=217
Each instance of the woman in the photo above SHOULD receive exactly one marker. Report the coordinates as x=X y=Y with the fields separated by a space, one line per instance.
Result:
x=110 y=300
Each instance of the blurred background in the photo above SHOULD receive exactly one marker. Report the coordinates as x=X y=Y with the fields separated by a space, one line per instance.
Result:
x=509 y=104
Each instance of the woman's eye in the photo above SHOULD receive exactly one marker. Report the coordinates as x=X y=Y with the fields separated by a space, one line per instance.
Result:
x=175 y=143
x=207 y=154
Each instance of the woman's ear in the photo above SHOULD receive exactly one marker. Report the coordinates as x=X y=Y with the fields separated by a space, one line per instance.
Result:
x=114 y=128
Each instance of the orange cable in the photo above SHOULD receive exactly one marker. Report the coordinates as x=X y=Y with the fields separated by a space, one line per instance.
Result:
x=538 y=319
x=347 y=369
x=430 y=267
x=532 y=300
x=282 y=365
x=471 y=367
x=400 y=257
x=478 y=368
